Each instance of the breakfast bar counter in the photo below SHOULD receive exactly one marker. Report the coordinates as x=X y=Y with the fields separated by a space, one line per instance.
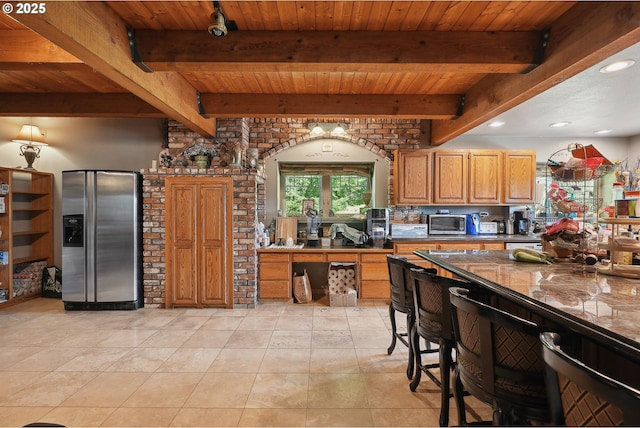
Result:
x=600 y=312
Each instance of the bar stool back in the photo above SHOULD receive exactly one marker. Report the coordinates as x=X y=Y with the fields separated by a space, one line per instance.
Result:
x=499 y=360
x=434 y=325
x=582 y=396
x=401 y=288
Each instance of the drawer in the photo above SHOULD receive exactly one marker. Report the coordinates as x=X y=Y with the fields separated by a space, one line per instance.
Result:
x=273 y=257
x=308 y=257
x=342 y=257
x=375 y=271
x=275 y=290
x=373 y=257
x=375 y=290
x=459 y=246
x=493 y=246
x=403 y=249
x=270 y=271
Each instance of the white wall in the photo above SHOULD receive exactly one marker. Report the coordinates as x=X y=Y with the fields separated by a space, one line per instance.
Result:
x=83 y=143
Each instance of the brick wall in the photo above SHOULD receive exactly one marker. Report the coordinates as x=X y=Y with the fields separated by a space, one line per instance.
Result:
x=269 y=136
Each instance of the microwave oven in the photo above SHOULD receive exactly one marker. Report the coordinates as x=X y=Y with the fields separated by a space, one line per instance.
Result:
x=447 y=224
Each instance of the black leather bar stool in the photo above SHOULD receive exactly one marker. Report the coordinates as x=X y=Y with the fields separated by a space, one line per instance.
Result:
x=401 y=301
x=582 y=396
x=433 y=323
x=499 y=360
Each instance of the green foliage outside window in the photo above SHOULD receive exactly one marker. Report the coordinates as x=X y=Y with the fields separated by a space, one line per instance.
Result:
x=300 y=187
x=346 y=193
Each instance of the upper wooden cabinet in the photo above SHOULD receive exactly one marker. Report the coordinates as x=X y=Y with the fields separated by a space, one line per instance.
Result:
x=464 y=177
x=412 y=177
x=519 y=176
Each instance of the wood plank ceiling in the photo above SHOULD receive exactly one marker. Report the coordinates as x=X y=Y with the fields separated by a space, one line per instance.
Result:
x=453 y=64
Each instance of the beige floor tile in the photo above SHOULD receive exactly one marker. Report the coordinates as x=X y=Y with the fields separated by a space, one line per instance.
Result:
x=286 y=391
x=79 y=416
x=20 y=416
x=194 y=417
x=190 y=360
x=11 y=356
x=366 y=323
x=331 y=339
x=222 y=323
x=331 y=322
x=286 y=361
x=249 y=339
x=297 y=310
x=221 y=391
x=125 y=338
x=164 y=390
x=169 y=338
x=337 y=391
x=363 y=311
x=391 y=391
x=334 y=361
x=258 y=323
x=51 y=389
x=290 y=339
x=142 y=360
x=133 y=417
x=329 y=311
x=407 y=417
x=206 y=338
x=81 y=339
x=13 y=382
x=107 y=390
x=339 y=418
x=371 y=338
x=154 y=322
x=372 y=360
x=188 y=322
x=94 y=360
x=238 y=361
x=302 y=322
x=45 y=359
x=273 y=418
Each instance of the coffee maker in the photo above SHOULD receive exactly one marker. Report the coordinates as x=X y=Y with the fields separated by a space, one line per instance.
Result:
x=378 y=218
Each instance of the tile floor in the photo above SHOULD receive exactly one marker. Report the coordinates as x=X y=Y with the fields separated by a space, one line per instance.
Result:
x=276 y=365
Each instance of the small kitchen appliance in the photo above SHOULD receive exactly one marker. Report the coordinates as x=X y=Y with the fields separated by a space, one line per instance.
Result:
x=447 y=224
x=313 y=225
x=473 y=224
x=378 y=218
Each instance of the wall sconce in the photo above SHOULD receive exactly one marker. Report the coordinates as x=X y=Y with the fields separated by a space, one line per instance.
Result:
x=30 y=139
x=334 y=129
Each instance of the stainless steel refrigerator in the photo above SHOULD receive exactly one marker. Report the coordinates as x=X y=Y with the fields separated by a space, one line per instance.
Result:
x=102 y=240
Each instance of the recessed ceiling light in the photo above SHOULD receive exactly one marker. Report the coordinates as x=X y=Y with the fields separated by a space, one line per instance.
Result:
x=603 y=131
x=559 y=124
x=617 y=66
x=495 y=124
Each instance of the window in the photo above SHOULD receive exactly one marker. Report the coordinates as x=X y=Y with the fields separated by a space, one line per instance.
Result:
x=336 y=190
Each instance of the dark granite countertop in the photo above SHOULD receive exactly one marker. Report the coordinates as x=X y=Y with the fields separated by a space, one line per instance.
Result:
x=608 y=305
x=471 y=238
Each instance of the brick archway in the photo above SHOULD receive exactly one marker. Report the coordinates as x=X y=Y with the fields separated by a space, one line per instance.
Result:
x=361 y=142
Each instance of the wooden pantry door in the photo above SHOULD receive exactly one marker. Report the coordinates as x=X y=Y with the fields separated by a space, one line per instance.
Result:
x=199 y=244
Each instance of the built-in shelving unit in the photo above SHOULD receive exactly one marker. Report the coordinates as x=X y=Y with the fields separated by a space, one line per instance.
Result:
x=621 y=247
x=26 y=222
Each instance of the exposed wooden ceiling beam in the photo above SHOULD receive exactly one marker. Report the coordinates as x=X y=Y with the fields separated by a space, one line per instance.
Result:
x=76 y=105
x=587 y=34
x=398 y=106
x=106 y=49
x=24 y=46
x=318 y=51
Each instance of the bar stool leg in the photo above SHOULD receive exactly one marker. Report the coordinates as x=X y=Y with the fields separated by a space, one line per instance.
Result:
x=445 y=379
x=411 y=322
x=415 y=341
x=458 y=394
x=392 y=318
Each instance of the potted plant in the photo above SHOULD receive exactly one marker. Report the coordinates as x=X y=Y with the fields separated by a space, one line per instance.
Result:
x=201 y=154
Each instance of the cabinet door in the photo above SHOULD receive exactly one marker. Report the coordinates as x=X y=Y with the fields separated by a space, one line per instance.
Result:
x=485 y=169
x=214 y=231
x=199 y=241
x=519 y=176
x=451 y=176
x=412 y=177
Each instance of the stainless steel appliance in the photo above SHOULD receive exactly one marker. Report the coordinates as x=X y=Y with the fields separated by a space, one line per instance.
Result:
x=102 y=240
x=378 y=218
x=447 y=224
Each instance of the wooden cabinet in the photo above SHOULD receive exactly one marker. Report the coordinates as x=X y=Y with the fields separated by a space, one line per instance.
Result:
x=519 y=176
x=199 y=241
x=412 y=177
x=451 y=177
x=26 y=222
x=464 y=177
x=374 y=276
x=274 y=275
x=485 y=176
